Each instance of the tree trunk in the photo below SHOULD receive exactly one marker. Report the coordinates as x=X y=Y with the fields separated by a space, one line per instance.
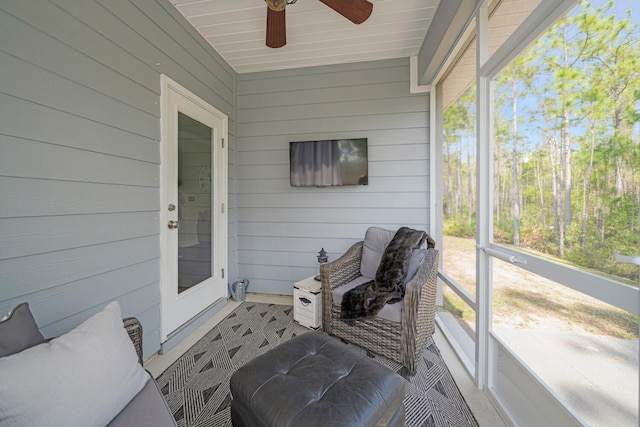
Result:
x=603 y=222
x=567 y=184
x=565 y=166
x=497 y=183
x=558 y=224
x=514 y=161
x=458 y=187
x=538 y=170
x=587 y=190
x=449 y=187
x=470 y=168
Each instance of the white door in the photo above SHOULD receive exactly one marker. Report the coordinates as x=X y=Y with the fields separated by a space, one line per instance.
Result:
x=194 y=195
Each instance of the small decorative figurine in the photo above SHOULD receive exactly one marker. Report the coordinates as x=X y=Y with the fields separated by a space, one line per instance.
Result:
x=322 y=259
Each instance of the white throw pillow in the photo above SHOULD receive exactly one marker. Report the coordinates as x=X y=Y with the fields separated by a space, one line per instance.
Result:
x=83 y=378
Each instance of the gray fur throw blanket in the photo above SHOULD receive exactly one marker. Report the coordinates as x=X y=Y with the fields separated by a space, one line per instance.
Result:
x=369 y=298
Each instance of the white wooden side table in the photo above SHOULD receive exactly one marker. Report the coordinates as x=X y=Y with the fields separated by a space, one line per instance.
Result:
x=307 y=303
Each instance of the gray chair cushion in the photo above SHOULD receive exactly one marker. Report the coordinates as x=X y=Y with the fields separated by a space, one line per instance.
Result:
x=391 y=312
x=417 y=256
x=376 y=240
x=148 y=408
x=19 y=331
x=338 y=292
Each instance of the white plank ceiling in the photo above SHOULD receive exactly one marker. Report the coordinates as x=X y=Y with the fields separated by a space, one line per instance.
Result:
x=316 y=35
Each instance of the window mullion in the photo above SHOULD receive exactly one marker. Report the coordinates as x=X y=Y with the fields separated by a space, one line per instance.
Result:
x=484 y=206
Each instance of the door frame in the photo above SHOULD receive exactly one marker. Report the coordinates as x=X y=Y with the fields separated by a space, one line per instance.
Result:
x=218 y=207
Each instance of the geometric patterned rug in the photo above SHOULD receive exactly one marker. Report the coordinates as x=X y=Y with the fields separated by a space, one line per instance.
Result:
x=196 y=386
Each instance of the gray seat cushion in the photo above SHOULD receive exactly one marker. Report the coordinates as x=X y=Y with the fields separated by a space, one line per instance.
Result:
x=314 y=380
x=391 y=312
x=148 y=408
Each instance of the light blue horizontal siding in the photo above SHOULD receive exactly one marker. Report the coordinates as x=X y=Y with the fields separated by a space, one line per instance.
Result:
x=80 y=153
x=43 y=123
x=281 y=228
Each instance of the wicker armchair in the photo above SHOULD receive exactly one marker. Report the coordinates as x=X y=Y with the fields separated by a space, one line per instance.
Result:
x=134 y=330
x=402 y=342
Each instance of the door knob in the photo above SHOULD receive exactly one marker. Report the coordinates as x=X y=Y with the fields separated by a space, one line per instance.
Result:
x=172 y=224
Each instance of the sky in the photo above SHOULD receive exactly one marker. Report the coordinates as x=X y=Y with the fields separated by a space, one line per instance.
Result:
x=531 y=127
x=621 y=6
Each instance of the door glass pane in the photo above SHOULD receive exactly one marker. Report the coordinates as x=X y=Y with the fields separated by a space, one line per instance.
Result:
x=194 y=202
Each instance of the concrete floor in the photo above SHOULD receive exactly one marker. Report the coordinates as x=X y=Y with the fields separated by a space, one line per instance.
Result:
x=478 y=402
x=596 y=376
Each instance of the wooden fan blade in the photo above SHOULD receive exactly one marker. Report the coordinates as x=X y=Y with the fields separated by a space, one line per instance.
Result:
x=356 y=11
x=276 y=28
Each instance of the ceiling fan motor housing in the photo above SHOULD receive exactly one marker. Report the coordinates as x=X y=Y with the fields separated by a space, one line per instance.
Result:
x=278 y=5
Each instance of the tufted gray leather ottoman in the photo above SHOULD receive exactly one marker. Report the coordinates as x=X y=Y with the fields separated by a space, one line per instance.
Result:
x=314 y=380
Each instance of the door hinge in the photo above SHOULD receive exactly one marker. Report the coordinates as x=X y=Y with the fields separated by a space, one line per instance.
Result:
x=222 y=210
x=222 y=142
x=223 y=273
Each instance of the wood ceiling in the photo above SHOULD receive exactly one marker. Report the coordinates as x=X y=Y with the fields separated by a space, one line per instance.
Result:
x=316 y=35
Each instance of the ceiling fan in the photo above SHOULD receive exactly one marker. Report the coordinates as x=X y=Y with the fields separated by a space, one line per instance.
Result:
x=357 y=11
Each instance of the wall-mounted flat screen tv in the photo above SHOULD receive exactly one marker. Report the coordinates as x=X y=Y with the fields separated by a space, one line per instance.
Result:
x=328 y=163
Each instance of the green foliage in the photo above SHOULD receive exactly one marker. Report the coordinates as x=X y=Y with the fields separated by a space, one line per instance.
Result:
x=503 y=231
x=460 y=227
